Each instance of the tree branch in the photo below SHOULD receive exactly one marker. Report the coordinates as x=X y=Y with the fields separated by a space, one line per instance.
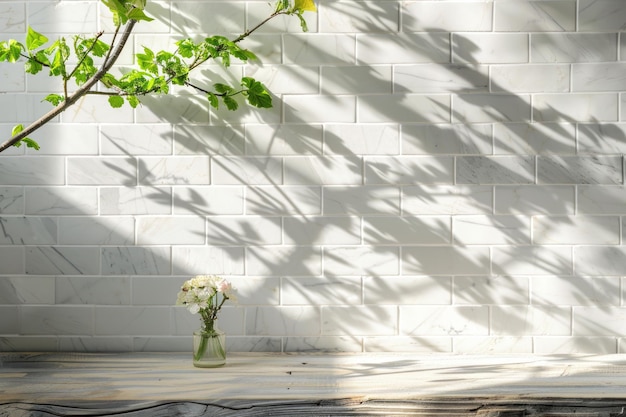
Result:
x=83 y=90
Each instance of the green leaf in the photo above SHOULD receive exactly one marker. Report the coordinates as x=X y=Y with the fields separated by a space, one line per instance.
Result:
x=118 y=9
x=32 y=66
x=146 y=61
x=10 y=51
x=256 y=93
x=303 y=24
x=305 y=5
x=230 y=102
x=116 y=101
x=138 y=14
x=17 y=129
x=55 y=99
x=222 y=88
x=186 y=48
x=30 y=143
x=34 y=39
x=213 y=101
x=133 y=101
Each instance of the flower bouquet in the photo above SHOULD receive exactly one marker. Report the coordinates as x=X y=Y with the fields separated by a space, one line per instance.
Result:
x=206 y=294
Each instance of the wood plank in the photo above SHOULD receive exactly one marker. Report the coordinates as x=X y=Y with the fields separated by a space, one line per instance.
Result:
x=154 y=384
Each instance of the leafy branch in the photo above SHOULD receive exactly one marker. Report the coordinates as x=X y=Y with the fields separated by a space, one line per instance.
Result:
x=156 y=71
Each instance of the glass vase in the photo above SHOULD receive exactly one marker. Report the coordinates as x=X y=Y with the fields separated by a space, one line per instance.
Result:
x=209 y=347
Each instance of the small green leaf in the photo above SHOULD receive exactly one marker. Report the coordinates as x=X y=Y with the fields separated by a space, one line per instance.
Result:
x=138 y=14
x=32 y=66
x=213 y=101
x=231 y=103
x=222 y=88
x=34 y=39
x=305 y=5
x=11 y=51
x=55 y=99
x=31 y=143
x=116 y=101
x=133 y=101
x=186 y=48
x=17 y=129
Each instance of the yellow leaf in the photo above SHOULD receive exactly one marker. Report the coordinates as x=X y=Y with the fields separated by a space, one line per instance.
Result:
x=306 y=5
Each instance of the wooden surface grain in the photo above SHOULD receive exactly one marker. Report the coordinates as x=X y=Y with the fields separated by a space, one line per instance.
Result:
x=332 y=384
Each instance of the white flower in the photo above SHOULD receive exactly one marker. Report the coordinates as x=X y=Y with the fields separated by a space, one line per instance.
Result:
x=205 y=294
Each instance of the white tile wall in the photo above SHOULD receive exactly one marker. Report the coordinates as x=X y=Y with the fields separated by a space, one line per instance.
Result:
x=435 y=176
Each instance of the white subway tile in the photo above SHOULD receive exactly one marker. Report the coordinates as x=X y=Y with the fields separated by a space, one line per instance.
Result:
x=455 y=16
x=534 y=138
x=12 y=200
x=361 y=139
x=326 y=170
x=284 y=260
x=407 y=290
x=599 y=321
x=574 y=345
x=293 y=139
x=601 y=16
x=495 y=170
x=446 y=139
x=283 y=321
x=490 y=48
x=534 y=199
x=444 y=320
x=299 y=200
x=350 y=17
x=62 y=260
x=135 y=200
x=12 y=260
x=287 y=79
x=409 y=170
x=233 y=170
x=598 y=77
x=33 y=170
x=327 y=291
x=447 y=199
x=494 y=290
x=487 y=108
x=576 y=230
x=532 y=260
x=209 y=18
x=599 y=260
x=102 y=171
x=128 y=260
x=599 y=139
x=202 y=260
x=367 y=320
x=601 y=199
x=576 y=290
x=63 y=16
x=407 y=230
x=531 y=321
x=247 y=230
x=13 y=18
x=92 y=290
x=323 y=344
x=361 y=260
x=28 y=230
x=404 y=108
x=361 y=200
x=61 y=200
x=319 y=49
x=445 y=260
x=543 y=78
x=59 y=319
x=20 y=290
x=438 y=78
x=201 y=200
x=132 y=139
x=491 y=230
x=87 y=230
x=535 y=16
x=171 y=230
x=403 y=48
x=203 y=139
x=581 y=107
x=372 y=79
x=492 y=345
x=430 y=344
x=319 y=109
x=573 y=47
x=179 y=170
x=580 y=170
x=132 y=321
x=315 y=230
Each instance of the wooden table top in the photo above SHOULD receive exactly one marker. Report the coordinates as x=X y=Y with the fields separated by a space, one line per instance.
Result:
x=128 y=380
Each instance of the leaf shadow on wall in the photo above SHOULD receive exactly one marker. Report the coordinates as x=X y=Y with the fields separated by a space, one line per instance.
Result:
x=480 y=146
